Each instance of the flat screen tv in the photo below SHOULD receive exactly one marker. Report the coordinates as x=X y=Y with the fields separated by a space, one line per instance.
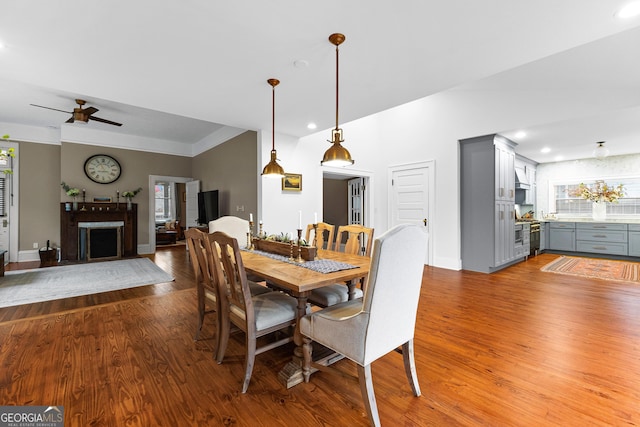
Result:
x=208 y=207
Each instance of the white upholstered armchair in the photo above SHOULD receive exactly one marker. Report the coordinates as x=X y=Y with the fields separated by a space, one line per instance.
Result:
x=233 y=226
x=365 y=330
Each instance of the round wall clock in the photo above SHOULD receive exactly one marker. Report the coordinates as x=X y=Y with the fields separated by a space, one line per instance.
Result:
x=102 y=169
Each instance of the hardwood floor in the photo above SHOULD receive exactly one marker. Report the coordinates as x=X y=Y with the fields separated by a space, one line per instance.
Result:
x=519 y=347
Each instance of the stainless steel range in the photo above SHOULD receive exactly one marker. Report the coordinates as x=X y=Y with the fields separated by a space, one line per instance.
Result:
x=534 y=235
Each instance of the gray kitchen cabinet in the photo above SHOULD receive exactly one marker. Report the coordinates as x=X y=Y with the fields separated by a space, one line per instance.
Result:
x=634 y=239
x=487 y=183
x=544 y=235
x=602 y=238
x=562 y=236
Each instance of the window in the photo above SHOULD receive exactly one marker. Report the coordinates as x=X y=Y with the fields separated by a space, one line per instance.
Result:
x=574 y=206
x=165 y=201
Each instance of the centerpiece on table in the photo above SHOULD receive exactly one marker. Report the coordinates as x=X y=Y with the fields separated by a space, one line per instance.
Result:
x=599 y=194
x=130 y=195
x=282 y=244
x=72 y=192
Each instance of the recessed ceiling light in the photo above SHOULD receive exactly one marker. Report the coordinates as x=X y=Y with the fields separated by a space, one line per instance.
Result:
x=629 y=11
x=520 y=134
x=312 y=126
x=301 y=63
x=545 y=150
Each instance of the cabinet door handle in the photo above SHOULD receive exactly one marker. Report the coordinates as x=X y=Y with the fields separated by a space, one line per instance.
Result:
x=602 y=248
x=602 y=236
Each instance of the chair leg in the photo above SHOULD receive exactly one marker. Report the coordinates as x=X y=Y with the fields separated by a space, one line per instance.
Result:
x=224 y=329
x=410 y=366
x=201 y=311
x=307 y=350
x=368 y=395
x=251 y=356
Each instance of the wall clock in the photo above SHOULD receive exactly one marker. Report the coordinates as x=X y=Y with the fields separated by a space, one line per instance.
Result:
x=102 y=169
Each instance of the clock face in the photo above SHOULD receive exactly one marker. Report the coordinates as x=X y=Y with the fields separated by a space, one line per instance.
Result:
x=102 y=169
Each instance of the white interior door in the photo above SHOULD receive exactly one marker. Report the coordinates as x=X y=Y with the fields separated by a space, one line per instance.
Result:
x=192 y=188
x=411 y=195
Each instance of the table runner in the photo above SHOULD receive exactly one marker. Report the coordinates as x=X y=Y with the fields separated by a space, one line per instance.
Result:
x=320 y=265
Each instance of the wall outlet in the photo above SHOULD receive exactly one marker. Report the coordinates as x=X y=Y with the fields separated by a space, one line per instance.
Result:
x=239 y=208
x=35 y=245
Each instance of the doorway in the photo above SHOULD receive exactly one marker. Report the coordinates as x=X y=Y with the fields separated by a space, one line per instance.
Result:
x=9 y=215
x=347 y=197
x=174 y=182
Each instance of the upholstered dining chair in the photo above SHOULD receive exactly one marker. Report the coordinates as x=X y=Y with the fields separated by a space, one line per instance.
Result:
x=356 y=237
x=206 y=289
x=233 y=226
x=323 y=241
x=257 y=315
x=384 y=319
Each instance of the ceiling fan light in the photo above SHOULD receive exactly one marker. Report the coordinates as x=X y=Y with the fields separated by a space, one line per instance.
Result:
x=273 y=169
x=600 y=152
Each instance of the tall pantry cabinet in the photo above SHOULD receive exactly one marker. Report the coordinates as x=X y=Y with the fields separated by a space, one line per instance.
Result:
x=487 y=184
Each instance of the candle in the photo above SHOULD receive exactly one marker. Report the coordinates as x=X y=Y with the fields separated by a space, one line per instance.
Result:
x=260 y=222
x=315 y=217
x=299 y=220
x=251 y=217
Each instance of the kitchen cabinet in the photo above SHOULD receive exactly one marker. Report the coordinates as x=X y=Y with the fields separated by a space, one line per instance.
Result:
x=544 y=235
x=634 y=240
x=562 y=236
x=525 y=189
x=602 y=238
x=487 y=183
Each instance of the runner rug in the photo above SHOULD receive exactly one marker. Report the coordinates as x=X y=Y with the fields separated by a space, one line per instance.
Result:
x=625 y=271
x=51 y=283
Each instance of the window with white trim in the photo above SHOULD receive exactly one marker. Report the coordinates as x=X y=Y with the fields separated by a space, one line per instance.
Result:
x=165 y=208
x=574 y=206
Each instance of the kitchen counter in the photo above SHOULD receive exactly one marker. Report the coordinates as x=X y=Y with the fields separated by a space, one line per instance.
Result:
x=590 y=220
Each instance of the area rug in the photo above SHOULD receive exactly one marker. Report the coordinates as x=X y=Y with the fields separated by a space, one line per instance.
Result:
x=624 y=271
x=50 y=283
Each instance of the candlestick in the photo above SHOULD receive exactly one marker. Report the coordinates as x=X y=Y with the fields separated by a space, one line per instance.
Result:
x=315 y=240
x=260 y=232
x=300 y=260
x=250 y=245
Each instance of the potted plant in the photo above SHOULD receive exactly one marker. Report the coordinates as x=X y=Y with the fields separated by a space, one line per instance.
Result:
x=130 y=195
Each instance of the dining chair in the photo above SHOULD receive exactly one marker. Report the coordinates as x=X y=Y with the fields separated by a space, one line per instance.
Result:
x=382 y=320
x=206 y=289
x=356 y=238
x=325 y=235
x=255 y=315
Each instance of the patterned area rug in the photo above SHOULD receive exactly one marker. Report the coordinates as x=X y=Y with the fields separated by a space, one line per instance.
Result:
x=625 y=271
x=50 y=283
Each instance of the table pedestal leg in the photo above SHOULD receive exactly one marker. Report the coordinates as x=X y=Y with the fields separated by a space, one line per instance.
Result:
x=291 y=374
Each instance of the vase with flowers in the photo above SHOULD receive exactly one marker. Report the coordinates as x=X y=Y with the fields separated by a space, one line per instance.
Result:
x=130 y=195
x=599 y=194
x=72 y=192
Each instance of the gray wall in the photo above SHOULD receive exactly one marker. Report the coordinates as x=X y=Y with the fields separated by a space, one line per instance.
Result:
x=232 y=169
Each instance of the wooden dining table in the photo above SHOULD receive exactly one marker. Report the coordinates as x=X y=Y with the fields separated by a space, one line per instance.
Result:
x=299 y=281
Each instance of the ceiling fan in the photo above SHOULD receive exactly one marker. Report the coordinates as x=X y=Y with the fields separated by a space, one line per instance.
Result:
x=82 y=115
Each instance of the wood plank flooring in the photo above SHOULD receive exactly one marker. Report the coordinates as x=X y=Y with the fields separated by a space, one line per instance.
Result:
x=519 y=347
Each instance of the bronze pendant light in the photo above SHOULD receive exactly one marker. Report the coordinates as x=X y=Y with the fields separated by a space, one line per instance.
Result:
x=273 y=169
x=337 y=155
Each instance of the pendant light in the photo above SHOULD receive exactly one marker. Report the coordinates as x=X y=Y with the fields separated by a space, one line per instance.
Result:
x=600 y=152
x=337 y=155
x=273 y=169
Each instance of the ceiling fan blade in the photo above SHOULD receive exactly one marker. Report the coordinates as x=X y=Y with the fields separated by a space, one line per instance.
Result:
x=49 y=108
x=109 y=122
x=90 y=110
x=70 y=120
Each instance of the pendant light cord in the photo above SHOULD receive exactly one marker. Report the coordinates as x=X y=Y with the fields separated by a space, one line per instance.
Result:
x=273 y=118
x=337 y=83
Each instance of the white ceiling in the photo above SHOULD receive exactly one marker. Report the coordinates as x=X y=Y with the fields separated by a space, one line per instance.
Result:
x=180 y=71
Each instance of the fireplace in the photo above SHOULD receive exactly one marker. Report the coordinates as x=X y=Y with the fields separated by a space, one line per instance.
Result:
x=100 y=240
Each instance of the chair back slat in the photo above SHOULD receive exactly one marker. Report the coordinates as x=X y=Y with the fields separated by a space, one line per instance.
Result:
x=198 y=256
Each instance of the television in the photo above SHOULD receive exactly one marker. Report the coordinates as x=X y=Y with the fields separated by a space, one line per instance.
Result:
x=208 y=207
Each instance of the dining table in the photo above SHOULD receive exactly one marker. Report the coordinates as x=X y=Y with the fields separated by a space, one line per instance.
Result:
x=298 y=281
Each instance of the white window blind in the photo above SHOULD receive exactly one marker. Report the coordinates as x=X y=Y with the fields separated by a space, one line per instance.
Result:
x=3 y=211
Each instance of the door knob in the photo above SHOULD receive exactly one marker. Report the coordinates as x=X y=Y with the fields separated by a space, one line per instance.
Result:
x=424 y=221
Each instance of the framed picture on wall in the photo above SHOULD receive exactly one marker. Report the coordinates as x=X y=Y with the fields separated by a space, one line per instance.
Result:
x=292 y=182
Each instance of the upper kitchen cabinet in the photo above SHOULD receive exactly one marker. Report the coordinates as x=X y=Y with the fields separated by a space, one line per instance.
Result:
x=487 y=189
x=525 y=181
